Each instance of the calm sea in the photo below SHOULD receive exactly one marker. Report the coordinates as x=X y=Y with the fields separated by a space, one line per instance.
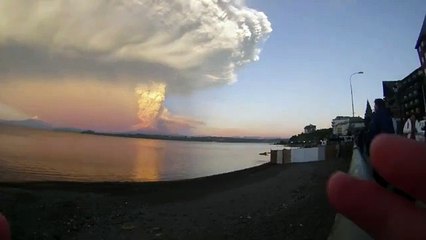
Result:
x=36 y=155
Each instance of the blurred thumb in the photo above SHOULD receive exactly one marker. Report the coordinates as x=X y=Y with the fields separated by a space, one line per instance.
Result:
x=4 y=228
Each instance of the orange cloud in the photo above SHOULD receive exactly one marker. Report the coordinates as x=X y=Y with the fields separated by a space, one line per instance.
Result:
x=74 y=103
x=247 y=131
x=154 y=117
x=97 y=105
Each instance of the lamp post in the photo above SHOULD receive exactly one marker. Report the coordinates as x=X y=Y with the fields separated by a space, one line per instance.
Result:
x=352 y=94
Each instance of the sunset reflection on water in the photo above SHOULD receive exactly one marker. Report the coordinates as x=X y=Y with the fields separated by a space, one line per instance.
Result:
x=36 y=155
x=148 y=161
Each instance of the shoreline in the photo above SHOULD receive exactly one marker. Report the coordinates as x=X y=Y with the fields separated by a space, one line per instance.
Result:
x=182 y=138
x=129 y=186
x=262 y=202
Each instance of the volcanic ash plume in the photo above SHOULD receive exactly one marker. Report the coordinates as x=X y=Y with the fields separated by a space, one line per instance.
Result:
x=185 y=45
x=154 y=117
x=151 y=103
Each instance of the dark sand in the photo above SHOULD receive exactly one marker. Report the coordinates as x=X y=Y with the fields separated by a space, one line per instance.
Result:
x=265 y=202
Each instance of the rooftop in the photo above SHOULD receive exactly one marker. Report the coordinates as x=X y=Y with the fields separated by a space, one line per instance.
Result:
x=422 y=33
x=341 y=117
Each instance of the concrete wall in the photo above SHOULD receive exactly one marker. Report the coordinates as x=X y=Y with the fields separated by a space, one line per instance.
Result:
x=273 y=156
x=287 y=155
x=330 y=152
x=280 y=159
x=321 y=153
x=298 y=155
x=304 y=155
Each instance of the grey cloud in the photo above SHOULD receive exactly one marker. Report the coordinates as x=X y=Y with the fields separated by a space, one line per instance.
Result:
x=187 y=44
x=18 y=60
x=181 y=45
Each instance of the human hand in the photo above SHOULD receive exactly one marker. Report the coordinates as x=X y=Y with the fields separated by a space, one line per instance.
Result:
x=381 y=213
x=4 y=228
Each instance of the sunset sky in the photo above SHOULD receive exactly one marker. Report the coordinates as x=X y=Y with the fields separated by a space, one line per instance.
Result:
x=232 y=68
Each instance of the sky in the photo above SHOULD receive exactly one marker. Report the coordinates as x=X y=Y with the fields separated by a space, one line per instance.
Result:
x=226 y=68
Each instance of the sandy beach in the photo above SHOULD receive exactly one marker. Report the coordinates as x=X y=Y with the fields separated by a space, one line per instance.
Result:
x=264 y=202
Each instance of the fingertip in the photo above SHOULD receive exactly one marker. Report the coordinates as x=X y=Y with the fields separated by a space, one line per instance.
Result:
x=4 y=228
x=378 y=145
x=386 y=147
x=401 y=162
x=336 y=186
x=377 y=211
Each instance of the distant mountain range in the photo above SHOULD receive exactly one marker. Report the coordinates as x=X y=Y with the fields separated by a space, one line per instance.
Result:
x=30 y=123
x=39 y=124
x=191 y=138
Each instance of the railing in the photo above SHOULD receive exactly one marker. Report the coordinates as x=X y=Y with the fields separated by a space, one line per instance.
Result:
x=344 y=228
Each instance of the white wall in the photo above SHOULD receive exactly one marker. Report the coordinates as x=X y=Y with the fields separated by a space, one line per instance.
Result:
x=303 y=155
x=307 y=154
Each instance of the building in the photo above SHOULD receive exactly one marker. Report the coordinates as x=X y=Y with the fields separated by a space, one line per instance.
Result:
x=421 y=45
x=337 y=124
x=310 y=128
x=344 y=126
x=407 y=96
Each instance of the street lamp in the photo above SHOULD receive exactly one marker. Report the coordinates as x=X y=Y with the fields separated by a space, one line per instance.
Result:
x=352 y=94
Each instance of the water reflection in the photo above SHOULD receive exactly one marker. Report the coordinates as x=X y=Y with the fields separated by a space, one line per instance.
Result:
x=148 y=161
x=35 y=155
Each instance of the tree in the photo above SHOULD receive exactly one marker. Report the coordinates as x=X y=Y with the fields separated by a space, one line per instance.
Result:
x=368 y=111
x=313 y=137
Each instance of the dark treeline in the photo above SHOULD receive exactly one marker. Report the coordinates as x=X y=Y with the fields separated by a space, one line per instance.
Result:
x=314 y=137
x=189 y=138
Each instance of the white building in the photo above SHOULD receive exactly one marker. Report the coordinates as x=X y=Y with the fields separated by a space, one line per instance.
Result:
x=343 y=125
x=310 y=128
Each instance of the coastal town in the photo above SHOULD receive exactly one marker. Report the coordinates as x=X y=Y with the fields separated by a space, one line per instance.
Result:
x=403 y=98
